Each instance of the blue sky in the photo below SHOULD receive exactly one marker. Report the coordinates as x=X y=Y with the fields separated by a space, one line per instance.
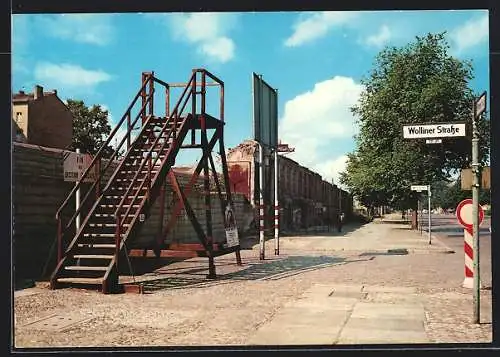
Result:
x=315 y=59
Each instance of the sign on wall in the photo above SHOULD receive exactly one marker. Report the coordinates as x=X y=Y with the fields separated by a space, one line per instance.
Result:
x=75 y=165
x=231 y=229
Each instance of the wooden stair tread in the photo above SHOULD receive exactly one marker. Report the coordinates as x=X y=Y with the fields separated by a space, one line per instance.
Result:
x=93 y=256
x=82 y=267
x=81 y=280
x=98 y=245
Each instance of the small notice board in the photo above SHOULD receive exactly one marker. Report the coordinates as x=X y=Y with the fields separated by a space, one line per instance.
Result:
x=231 y=229
x=75 y=165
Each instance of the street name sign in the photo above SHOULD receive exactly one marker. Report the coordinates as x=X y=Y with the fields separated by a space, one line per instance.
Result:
x=443 y=130
x=480 y=105
x=419 y=188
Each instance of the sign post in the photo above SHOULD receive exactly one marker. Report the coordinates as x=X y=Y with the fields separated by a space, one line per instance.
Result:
x=479 y=106
x=429 y=212
x=77 y=196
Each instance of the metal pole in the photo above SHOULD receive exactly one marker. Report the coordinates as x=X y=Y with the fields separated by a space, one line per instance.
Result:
x=429 y=210
x=475 y=214
x=276 y=206
x=261 y=203
x=77 y=198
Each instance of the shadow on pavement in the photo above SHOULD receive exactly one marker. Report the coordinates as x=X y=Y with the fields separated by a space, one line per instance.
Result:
x=272 y=270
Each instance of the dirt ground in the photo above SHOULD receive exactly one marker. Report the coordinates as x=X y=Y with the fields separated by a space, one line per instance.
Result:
x=181 y=307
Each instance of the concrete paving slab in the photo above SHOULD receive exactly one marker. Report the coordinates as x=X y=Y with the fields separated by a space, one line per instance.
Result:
x=387 y=311
x=389 y=289
x=391 y=298
x=293 y=336
x=367 y=336
x=308 y=319
x=325 y=304
x=400 y=324
x=57 y=322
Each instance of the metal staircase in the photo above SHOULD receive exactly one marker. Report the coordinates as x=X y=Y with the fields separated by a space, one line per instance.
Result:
x=114 y=215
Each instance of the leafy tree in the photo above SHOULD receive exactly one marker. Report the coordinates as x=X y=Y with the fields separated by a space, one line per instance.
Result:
x=90 y=127
x=417 y=83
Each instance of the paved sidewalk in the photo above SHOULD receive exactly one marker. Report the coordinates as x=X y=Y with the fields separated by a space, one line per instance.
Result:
x=372 y=237
x=347 y=314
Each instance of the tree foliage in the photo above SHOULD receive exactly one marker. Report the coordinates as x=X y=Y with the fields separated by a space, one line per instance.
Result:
x=90 y=127
x=415 y=84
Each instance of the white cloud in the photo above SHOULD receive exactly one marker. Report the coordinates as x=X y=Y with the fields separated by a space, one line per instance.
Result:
x=317 y=25
x=380 y=38
x=208 y=31
x=470 y=34
x=331 y=169
x=95 y=29
x=69 y=76
x=315 y=120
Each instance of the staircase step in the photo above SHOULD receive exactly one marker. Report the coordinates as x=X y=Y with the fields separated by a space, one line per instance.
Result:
x=81 y=280
x=97 y=246
x=86 y=268
x=93 y=256
x=126 y=188
x=116 y=206
x=115 y=197
x=104 y=235
x=111 y=215
x=101 y=225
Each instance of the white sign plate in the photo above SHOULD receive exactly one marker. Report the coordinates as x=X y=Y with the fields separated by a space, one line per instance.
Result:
x=232 y=238
x=433 y=141
x=421 y=131
x=481 y=105
x=418 y=188
x=75 y=165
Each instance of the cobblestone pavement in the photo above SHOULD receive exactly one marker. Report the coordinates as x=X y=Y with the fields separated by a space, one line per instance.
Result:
x=182 y=308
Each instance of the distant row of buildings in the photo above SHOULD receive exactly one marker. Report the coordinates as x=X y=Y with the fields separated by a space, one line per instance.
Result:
x=305 y=199
x=41 y=118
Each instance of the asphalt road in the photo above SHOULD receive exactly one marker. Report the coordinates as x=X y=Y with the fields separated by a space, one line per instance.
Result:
x=451 y=233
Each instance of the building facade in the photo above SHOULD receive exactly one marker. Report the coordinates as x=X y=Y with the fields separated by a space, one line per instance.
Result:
x=305 y=199
x=41 y=118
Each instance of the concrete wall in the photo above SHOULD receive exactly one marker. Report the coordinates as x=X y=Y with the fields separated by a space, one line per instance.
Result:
x=38 y=191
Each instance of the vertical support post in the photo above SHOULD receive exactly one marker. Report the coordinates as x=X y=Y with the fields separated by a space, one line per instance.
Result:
x=77 y=197
x=59 y=239
x=143 y=97
x=206 y=174
x=261 y=203
x=419 y=217
x=98 y=178
x=276 y=205
x=429 y=212
x=128 y=130
x=117 y=238
x=162 y=212
x=167 y=101
x=151 y=93
x=475 y=214
x=193 y=108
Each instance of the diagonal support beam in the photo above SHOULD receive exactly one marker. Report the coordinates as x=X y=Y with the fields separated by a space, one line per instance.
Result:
x=191 y=215
x=178 y=205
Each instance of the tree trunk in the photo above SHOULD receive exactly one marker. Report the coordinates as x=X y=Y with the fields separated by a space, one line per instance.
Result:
x=414 y=216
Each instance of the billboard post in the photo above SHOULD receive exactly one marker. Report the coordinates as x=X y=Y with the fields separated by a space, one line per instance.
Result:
x=265 y=126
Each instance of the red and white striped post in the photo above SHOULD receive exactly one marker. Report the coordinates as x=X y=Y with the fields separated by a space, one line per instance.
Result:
x=276 y=206
x=464 y=216
x=261 y=203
